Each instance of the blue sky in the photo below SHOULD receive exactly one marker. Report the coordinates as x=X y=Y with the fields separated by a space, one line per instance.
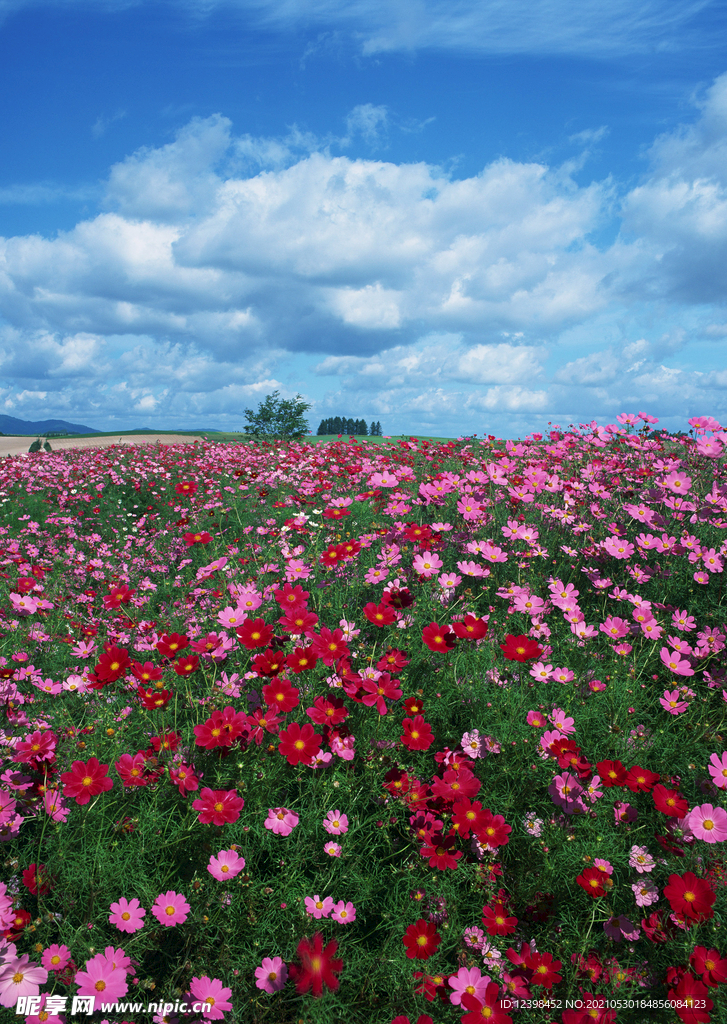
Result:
x=452 y=216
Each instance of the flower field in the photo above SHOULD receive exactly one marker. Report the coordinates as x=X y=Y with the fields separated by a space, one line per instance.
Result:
x=370 y=733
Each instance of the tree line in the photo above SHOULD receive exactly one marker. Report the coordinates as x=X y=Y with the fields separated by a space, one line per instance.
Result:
x=342 y=425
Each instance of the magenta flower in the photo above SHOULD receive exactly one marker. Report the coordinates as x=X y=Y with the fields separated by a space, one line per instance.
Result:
x=128 y=917
x=675 y=664
x=281 y=821
x=335 y=823
x=170 y=908
x=211 y=991
x=55 y=957
x=317 y=907
x=218 y=806
x=618 y=928
x=343 y=913
x=624 y=812
x=18 y=977
x=102 y=980
x=708 y=823
x=468 y=981
x=718 y=770
x=271 y=974
x=672 y=702
x=225 y=865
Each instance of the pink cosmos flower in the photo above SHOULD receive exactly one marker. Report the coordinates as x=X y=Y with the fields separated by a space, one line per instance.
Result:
x=472 y=744
x=335 y=823
x=211 y=991
x=708 y=823
x=170 y=908
x=271 y=974
x=675 y=664
x=55 y=957
x=427 y=564
x=226 y=865
x=55 y=805
x=468 y=981
x=128 y=917
x=672 y=702
x=718 y=770
x=562 y=721
x=281 y=821
x=18 y=977
x=333 y=849
x=317 y=907
x=645 y=893
x=343 y=913
x=641 y=859
x=102 y=980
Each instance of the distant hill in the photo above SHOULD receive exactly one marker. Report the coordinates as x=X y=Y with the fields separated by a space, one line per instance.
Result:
x=12 y=425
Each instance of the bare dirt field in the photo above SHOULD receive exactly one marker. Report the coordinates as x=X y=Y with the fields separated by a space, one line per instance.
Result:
x=20 y=445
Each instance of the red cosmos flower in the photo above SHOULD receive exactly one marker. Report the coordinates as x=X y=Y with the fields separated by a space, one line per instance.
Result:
x=268 y=720
x=349 y=548
x=377 y=690
x=710 y=964
x=438 y=638
x=34 y=875
x=520 y=648
x=167 y=741
x=146 y=673
x=298 y=620
x=221 y=729
x=415 y=532
x=544 y=968
x=593 y=881
x=392 y=660
x=417 y=734
x=254 y=633
x=493 y=831
x=658 y=928
x=327 y=711
x=396 y=781
x=291 y=597
x=303 y=659
x=670 y=802
x=490 y=1011
x=691 y=1001
x=186 y=665
x=279 y=692
x=269 y=663
x=131 y=770
x=153 y=699
x=118 y=596
x=496 y=921
x=439 y=851
x=298 y=744
x=35 y=748
x=331 y=556
x=19 y=922
x=467 y=816
x=170 y=644
x=85 y=780
x=379 y=614
x=336 y=513
x=691 y=896
x=414 y=706
x=641 y=780
x=330 y=645
x=112 y=664
x=317 y=966
x=431 y=985
x=456 y=784
x=397 y=598
x=218 y=806
x=197 y=538
x=612 y=773
x=184 y=778
x=187 y=487
x=421 y=940
x=471 y=628
x=24 y=584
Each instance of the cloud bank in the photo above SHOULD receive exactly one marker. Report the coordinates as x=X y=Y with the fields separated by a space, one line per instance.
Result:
x=221 y=266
